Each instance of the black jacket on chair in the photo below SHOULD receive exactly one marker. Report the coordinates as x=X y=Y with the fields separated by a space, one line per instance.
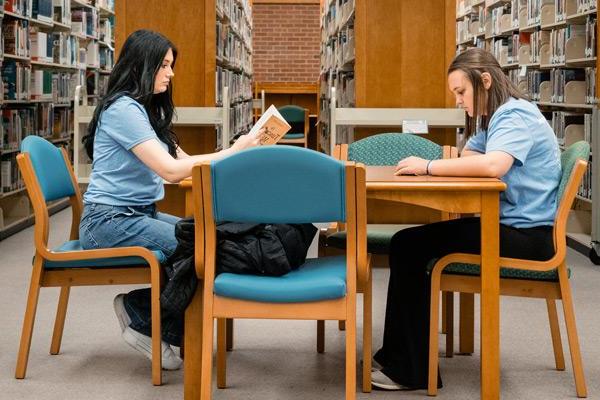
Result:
x=242 y=248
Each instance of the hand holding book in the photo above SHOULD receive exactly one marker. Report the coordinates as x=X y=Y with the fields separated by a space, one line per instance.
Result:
x=270 y=127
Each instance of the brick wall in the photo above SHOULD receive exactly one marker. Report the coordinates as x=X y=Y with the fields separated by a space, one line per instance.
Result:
x=286 y=42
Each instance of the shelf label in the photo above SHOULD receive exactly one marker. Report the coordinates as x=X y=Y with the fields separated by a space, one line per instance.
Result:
x=414 y=126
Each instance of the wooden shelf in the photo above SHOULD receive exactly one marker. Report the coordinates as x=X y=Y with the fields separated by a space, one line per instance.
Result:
x=15 y=15
x=16 y=57
x=579 y=18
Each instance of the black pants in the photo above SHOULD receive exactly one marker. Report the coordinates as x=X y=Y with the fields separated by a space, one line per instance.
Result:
x=405 y=352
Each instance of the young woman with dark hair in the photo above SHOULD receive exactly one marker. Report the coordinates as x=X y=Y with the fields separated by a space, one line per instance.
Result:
x=509 y=139
x=133 y=148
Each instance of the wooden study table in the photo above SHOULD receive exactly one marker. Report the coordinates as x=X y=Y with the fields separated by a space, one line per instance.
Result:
x=454 y=195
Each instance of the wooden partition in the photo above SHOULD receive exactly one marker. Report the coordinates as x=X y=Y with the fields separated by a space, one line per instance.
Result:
x=403 y=49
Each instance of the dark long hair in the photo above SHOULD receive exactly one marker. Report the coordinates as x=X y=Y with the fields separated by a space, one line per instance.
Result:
x=133 y=75
x=473 y=63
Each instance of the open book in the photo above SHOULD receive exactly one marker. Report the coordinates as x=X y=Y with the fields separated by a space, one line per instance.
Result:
x=274 y=126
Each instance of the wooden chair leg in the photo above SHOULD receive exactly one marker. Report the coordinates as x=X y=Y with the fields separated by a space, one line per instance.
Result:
x=207 y=347
x=221 y=357
x=433 y=334
x=342 y=325
x=193 y=346
x=466 y=324
x=29 y=319
x=229 y=337
x=156 y=331
x=320 y=336
x=59 y=323
x=367 y=334
x=351 y=353
x=449 y=324
x=559 y=358
x=444 y=329
x=571 y=325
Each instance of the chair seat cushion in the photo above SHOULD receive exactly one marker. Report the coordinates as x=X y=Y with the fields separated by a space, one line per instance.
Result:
x=74 y=245
x=505 y=273
x=317 y=279
x=379 y=237
x=293 y=136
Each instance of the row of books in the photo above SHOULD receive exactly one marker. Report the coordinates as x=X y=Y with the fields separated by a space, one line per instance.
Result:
x=59 y=48
x=240 y=85
x=240 y=118
x=235 y=10
x=108 y=4
x=586 y=5
x=10 y=176
x=585 y=189
x=106 y=58
x=346 y=48
x=105 y=31
x=560 y=85
x=85 y=21
x=20 y=83
x=570 y=127
x=21 y=7
x=231 y=49
x=41 y=119
x=62 y=11
x=42 y=10
x=15 y=37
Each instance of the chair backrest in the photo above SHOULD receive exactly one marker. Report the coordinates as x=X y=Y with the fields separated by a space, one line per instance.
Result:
x=292 y=114
x=573 y=164
x=276 y=184
x=282 y=184
x=49 y=167
x=389 y=148
x=48 y=176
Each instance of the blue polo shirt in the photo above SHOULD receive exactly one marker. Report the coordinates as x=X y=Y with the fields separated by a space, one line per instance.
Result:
x=519 y=129
x=118 y=177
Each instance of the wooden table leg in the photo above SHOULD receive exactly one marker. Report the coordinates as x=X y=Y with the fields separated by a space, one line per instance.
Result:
x=192 y=362
x=490 y=297
x=189 y=203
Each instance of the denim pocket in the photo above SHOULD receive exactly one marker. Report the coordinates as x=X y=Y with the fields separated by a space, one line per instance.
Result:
x=119 y=211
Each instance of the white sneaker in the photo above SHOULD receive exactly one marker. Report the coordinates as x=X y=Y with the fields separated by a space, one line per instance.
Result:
x=143 y=344
x=382 y=381
x=122 y=316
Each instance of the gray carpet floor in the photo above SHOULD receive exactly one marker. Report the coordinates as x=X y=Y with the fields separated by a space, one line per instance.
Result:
x=272 y=359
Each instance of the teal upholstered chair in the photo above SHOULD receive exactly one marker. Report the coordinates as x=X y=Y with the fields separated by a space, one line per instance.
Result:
x=323 y=190
x=48 y=176
x=297 y=117
x=386 y=149
x=548 y=280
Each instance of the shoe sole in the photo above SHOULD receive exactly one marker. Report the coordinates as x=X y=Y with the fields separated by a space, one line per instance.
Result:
x=141 y=346
x=122 y=317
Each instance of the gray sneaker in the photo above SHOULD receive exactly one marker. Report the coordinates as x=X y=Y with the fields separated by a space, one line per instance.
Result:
x=382 y=381
x=122 y=317
x=143 y=344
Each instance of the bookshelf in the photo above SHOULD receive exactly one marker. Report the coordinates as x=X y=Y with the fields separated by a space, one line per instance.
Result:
x=372 y=54
x=214 y=51
x=48 y=48
x=548 y=48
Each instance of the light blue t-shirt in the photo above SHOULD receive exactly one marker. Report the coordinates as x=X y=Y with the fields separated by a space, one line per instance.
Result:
x=519 y=129
x=118 y=177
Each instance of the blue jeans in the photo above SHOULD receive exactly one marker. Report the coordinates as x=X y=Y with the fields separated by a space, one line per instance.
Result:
x=105 y=226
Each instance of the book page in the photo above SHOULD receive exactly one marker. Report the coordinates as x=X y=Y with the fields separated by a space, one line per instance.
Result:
x=275 y=126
